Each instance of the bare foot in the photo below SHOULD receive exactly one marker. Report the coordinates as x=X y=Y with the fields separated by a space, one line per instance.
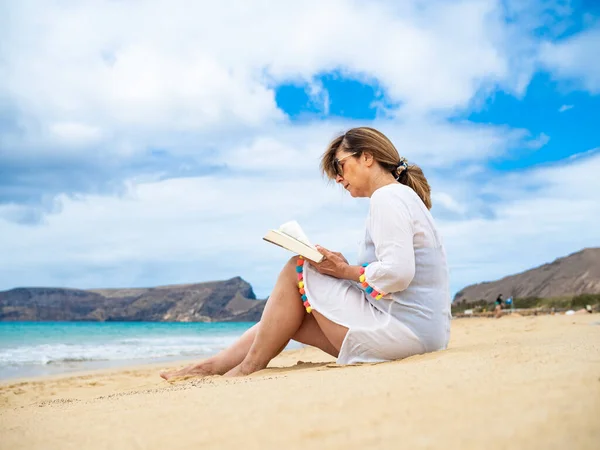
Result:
x=203 y=369
x=243 y=369
x=174 y=374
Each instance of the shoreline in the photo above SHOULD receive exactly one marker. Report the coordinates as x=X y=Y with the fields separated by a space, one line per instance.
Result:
x=105 y=371
x=117 y=366
x=87 y=367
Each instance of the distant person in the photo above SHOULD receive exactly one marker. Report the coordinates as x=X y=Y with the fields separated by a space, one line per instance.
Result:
x=498 y=308
x=587 y=310
x=393 y=303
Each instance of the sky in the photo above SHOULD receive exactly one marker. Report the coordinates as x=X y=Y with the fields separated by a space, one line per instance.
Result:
x=146 y=143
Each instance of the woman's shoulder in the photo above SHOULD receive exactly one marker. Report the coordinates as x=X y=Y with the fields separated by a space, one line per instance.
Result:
x=392 y=197
x=399 y=195
x=388 y=192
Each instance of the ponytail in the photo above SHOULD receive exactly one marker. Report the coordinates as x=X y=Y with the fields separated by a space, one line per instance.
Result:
x=413 y=177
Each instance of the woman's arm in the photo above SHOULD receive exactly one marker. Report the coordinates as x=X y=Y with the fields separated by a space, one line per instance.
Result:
x=391 y=228
x=390 y=224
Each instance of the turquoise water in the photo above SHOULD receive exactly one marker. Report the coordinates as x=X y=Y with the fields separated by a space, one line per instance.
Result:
x=42 y=348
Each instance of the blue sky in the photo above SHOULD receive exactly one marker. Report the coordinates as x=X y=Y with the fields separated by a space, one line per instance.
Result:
x=568 y=117
x=143 y=145
x=346 y=97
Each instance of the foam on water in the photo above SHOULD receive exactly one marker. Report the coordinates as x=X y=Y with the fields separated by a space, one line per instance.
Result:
x=29 y=349
x=129 y=349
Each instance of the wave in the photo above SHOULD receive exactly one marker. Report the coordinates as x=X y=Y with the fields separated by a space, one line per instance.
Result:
x=70 y=360
x=120 y=350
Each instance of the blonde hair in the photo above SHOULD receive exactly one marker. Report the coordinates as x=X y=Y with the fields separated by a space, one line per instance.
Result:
x=365 y=139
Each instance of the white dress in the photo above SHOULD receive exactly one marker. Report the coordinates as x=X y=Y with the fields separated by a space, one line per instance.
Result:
x=407 y=261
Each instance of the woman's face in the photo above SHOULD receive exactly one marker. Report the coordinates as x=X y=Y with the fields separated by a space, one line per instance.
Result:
x=351 y=173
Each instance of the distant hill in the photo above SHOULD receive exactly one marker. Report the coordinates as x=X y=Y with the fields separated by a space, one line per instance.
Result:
x=578 y=273
x=230 y=300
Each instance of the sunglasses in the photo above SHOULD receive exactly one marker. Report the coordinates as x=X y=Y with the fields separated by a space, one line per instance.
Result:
x=339 y=169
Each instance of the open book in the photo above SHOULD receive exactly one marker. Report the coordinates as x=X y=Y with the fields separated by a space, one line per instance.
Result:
x=291 y=237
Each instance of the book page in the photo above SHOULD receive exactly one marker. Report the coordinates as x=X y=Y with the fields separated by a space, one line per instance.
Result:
x=294 y=230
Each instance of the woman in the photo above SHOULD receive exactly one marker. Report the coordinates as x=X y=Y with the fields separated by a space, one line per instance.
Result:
x=393 y=304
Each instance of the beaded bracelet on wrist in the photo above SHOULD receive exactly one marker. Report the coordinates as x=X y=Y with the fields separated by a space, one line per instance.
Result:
x=369 y=289
x=303 y=297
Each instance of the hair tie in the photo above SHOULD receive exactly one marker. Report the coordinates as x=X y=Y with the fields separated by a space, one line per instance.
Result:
x=401 y=168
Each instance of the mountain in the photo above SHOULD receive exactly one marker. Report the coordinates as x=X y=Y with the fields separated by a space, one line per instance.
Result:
x=230 y=300
x=578 y=273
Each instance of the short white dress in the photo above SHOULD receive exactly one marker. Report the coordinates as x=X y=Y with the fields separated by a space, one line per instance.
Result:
x=406 y=261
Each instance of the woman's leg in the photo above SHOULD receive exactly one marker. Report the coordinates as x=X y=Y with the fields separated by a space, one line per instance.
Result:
x=281 y=320
x=220 y=363
x=308 y=333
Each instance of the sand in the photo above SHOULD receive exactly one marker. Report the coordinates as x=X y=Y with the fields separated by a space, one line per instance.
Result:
x=516 y=382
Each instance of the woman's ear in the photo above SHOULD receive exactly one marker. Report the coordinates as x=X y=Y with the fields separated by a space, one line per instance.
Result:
x=368 y=158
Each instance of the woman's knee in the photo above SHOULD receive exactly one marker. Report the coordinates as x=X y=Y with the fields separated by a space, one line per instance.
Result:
x=288 y=277
x=291 y=266
x=293 y=261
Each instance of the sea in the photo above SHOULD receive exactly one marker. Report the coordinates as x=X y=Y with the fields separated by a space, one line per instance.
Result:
x=31 y=349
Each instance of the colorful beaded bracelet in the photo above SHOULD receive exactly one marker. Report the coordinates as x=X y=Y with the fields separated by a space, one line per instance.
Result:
x=363 y=281
x=303 y=297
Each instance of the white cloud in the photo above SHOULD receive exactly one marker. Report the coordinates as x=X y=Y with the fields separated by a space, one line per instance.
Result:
x=574 y=59
x=203 y=64
x=205 y=228
x=564 y=108
x=538 y=142
x=75 y=133
x=448 y=202
x=432 y=142
x=319 y=96
x=539 y=215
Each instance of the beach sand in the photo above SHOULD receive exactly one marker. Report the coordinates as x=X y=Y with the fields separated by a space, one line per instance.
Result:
x=516 y=382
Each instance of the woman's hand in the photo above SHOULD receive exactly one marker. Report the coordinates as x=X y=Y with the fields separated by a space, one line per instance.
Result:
x=334 y=264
